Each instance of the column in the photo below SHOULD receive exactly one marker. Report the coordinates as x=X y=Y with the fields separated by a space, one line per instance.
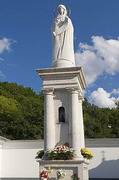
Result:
x=81 y=124
x=74 y=123
x=49 y=120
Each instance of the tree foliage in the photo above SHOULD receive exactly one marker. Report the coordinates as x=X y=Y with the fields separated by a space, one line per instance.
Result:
x=100 y=122
x=21 y=115
x=21 y=112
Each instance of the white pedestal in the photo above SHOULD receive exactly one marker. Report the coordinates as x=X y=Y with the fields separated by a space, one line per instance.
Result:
x=63 y=87
x=79 y=167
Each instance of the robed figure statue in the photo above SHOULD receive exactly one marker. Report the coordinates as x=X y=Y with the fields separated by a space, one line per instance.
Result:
x=62 y=40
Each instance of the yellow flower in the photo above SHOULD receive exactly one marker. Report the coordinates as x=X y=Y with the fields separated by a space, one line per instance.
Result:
x=86 y=153
x=49 y=168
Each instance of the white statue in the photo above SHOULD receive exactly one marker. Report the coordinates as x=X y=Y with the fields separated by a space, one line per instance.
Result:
x=62 y=40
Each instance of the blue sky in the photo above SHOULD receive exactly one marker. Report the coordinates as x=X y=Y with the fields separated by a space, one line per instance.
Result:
x=25 y=43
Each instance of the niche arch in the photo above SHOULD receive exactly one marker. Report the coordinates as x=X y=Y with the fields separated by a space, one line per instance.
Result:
x=61 y=114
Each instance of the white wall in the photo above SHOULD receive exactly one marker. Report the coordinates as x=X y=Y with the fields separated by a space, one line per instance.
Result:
x=19 y=163
x=2 y=141
x=18 y=160
x=105 y=163
x=0 y=161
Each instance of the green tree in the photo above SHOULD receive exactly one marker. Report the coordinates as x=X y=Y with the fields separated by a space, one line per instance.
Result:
x=21 y=115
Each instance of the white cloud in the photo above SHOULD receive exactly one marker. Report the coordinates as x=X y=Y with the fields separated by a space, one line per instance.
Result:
x=5 y=44
x=101 y=57
x=91 y=64
x=115 y=91
x=2 y=76
x=102 y=99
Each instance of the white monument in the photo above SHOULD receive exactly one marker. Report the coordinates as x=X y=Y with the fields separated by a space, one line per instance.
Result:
x=63 y=86
x=62 y=40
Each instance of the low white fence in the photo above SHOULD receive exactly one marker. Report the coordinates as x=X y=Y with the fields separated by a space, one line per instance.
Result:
x=17 y=159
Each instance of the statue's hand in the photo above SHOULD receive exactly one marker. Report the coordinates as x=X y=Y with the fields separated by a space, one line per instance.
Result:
x=59 y=25
x=57 y=20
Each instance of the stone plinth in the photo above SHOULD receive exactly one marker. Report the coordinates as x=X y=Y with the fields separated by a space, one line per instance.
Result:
x=79 y=167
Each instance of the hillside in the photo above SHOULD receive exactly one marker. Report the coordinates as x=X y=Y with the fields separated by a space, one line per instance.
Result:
x=21 y=115
x=21 y=112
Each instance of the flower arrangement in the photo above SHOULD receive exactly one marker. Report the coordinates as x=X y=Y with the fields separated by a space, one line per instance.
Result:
x=50 y=170
x=40 y=154
x=60 y=152
x=86 y=153
x=44 y=174
x=75 y=177
x=61 y=174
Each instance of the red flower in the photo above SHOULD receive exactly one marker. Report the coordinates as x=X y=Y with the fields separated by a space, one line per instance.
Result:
x=44 y=174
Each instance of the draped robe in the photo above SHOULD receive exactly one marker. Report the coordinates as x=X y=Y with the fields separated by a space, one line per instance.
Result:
x=62 y=41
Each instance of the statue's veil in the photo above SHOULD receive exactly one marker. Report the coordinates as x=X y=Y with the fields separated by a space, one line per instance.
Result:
x=67 y=8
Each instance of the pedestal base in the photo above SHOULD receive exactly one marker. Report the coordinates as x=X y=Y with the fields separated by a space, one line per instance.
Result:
x=62 y=63
x=79 y=167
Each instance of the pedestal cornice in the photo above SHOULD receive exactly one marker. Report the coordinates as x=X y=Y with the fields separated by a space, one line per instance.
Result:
x=55 y=77
x=60 y=161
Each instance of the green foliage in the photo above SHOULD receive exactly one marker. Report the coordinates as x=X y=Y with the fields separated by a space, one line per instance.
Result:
x=100 y=122
x=40 y=154
x=21 y=115
x=21 y=112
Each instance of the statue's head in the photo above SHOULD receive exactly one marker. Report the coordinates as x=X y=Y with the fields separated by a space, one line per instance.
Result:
x=62 y=10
